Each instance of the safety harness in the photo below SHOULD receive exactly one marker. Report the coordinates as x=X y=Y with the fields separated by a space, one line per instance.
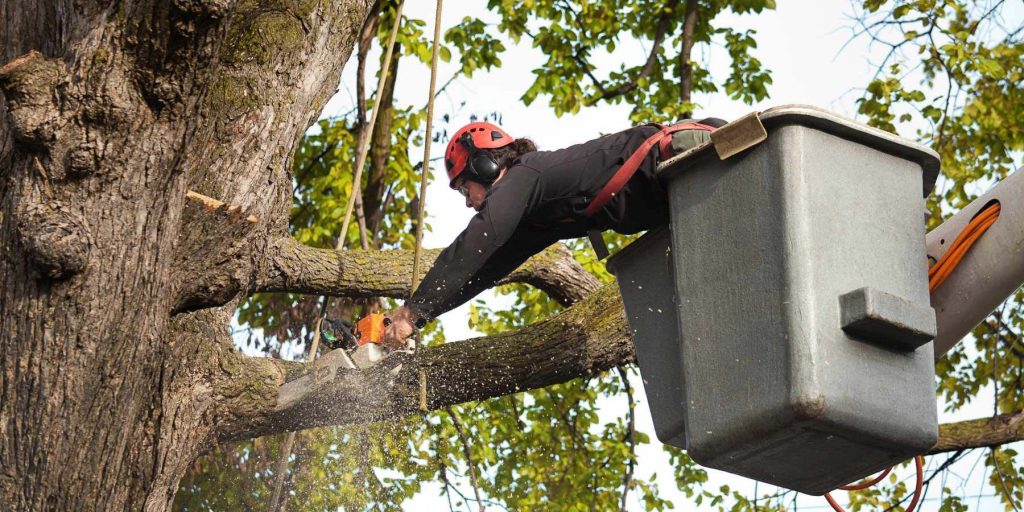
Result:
x=663 y=140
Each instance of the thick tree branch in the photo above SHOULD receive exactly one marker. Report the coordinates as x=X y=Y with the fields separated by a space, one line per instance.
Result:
x=585 y=339
x=294 y=267
x=980 y=433
x=589 y=337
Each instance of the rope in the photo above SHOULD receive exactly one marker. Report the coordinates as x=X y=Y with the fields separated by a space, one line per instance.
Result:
x=424 y=178
x=426 y=153
x=364 y=148
x=365 y=135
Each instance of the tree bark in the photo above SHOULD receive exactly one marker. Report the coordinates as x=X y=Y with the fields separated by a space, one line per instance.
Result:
x=110 y=113
x=980 y=433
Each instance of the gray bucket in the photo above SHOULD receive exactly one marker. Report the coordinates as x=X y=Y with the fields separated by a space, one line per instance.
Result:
x=798 y=352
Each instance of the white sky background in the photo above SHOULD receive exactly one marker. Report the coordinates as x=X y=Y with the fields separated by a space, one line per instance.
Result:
x=799 y=42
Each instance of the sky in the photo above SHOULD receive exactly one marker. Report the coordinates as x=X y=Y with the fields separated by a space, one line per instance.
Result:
x=800 y=42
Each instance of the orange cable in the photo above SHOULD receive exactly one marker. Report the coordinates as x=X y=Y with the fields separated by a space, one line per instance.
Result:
x=918 y=462
x=869 y=483
x=918 y=485
x=943 y=268
x=954 y=254
x=957 y=249
x=963 y=239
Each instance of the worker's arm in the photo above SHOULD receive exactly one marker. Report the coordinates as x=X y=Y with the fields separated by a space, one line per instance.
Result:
x=523 y=244
x=506 y=259
x=484 y=243
x=486 y=250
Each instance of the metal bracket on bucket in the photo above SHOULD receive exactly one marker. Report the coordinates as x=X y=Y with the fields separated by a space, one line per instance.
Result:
x=739 y=135
x=883 y=318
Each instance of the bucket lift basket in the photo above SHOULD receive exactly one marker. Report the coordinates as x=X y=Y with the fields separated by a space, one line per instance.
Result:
x=792 y=344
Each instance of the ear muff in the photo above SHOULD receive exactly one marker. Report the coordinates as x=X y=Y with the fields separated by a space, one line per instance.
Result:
x=481 y=166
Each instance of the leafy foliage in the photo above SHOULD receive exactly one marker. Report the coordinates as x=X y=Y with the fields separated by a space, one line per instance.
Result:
x=953 y=69
x=572 y=35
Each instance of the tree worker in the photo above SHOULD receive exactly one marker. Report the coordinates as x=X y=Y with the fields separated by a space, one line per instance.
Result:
x=527 y=200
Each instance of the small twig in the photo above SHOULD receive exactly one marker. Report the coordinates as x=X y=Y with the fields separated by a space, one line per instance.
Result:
x=627 y=480
x=909 y=495
x=469 y=458
x=47 y=191
x=578 y=53
x=1002 y=480
x=946 y=464
x=990 y=12
x=1014 y=344
x=447 y=485
x=445 y=85
x=515 y=412
x=457 y=491
x=949 y=85
x=318 y=158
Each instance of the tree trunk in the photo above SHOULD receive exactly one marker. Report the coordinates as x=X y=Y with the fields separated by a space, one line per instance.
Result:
x=110 y=112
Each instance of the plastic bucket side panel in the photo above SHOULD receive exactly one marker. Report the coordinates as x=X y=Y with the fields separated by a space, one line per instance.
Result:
x=644 y=273
x=726 y=233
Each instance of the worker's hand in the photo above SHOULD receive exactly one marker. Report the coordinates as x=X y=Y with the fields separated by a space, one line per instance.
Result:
x=402 y=326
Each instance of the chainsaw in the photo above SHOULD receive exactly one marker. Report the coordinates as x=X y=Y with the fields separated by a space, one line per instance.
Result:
x=363 y=341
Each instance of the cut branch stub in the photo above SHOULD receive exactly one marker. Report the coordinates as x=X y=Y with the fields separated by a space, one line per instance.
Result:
x=28 y=82
x=212 y=269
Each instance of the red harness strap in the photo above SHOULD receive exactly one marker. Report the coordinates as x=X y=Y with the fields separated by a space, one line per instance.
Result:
x=629 y=167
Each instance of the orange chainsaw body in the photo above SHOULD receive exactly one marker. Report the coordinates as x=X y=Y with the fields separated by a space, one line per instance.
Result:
x=370 y=328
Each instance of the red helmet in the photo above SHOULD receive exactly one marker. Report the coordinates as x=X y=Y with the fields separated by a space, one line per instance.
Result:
x=464 y=152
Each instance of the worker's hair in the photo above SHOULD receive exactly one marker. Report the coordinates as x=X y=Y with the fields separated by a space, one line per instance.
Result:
x=507 y=155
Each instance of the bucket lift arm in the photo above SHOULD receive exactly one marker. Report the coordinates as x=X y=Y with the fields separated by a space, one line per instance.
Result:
x=990 y=272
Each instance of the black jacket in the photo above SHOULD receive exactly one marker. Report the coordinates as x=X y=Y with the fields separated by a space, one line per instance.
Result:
x=539 y=201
